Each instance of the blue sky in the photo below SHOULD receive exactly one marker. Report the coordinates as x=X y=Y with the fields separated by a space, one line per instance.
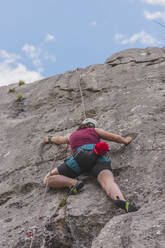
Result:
x=42 y=38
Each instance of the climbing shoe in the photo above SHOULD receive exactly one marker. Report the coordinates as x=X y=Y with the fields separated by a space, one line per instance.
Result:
x=126 y=205
x=75 y=188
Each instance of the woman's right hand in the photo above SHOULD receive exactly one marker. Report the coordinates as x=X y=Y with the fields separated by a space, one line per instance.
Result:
x=45 y=140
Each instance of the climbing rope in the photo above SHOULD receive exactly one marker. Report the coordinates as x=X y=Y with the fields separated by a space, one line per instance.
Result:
x=82 y=98
x=33 y=233
x=40 y=209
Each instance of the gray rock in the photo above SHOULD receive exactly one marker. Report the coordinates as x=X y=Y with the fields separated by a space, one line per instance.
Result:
x=142 y=229
x=125 y=95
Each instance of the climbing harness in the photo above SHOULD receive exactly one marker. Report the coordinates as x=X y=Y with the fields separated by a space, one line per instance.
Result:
x=85 y=157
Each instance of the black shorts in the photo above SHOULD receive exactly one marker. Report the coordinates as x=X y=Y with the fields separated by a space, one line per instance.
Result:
x=93 y=168
x=64 y=170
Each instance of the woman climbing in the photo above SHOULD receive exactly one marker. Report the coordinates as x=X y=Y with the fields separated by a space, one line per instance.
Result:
x=88 y=156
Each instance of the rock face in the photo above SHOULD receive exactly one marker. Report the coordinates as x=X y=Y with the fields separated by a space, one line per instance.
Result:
x=125 y=95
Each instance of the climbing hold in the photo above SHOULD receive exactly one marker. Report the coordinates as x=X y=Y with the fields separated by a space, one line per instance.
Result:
x=62 y=203
x=132 y=135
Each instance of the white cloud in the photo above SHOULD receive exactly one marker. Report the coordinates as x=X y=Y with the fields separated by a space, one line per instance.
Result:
x=118 y=36
x=31 y=51
x=11 y=71
x=142 y=37
x=50 y=57
x=9 y=57
x=50 y=37
x=93 y=23
x=34 y=53
x=155 y=2
x=38 y=55
x=155 y=15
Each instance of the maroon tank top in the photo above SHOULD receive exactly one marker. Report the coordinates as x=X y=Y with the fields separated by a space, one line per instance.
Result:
x=83 y=137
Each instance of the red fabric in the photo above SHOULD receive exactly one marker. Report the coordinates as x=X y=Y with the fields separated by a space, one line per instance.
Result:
x=83 y=137
x=101 y=148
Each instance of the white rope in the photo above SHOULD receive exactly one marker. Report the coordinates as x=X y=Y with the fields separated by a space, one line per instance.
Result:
x=40 y=209
x=82 y=98
x=39 y=215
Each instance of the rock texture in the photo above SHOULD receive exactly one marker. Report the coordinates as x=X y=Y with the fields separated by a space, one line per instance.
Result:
x=125 y=94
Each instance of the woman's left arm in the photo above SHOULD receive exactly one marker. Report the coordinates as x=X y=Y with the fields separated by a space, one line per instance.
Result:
x=113 y=137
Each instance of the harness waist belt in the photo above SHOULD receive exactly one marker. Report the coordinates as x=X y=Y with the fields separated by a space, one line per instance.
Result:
x=72 y=164
x=82 y=161
x=86 y=147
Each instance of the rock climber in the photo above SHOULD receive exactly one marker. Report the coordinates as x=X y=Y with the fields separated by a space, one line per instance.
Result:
x=88 y=157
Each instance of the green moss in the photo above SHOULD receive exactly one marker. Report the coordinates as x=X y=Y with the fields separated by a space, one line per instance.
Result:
x=160 y=89
x=11 y=90
x=62 y=203
x=20 y=83
x=19 y=97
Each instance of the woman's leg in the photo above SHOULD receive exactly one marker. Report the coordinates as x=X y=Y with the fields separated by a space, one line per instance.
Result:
x=106 y=180
x=54 y=179
x=51 y=173
x=59 y=181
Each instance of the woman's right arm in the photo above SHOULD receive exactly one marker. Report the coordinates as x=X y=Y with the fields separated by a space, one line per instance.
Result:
x=113 y=137
x=58 y=139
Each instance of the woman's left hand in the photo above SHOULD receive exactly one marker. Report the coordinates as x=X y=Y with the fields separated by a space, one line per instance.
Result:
x=128 y=140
